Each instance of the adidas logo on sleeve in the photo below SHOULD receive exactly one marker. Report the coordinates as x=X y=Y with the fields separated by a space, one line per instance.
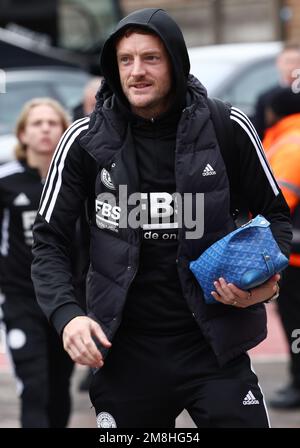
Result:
x=250 y=399
x=208 y=171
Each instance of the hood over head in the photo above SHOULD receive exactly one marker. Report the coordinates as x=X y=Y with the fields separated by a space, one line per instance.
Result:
x=160 y=23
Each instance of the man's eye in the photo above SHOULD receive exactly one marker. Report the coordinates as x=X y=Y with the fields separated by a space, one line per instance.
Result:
x=152 y=58
x=124 y=59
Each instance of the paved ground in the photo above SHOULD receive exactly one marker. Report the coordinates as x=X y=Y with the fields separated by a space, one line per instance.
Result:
x=269 y=361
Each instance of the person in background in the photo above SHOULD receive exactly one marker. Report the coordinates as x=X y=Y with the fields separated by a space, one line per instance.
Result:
x=41 y=366
x=88 y=103
x=287 y=62
x=156 y=347
x=282 y=146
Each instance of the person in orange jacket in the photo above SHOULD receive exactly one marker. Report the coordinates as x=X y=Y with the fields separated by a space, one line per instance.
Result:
x=282 y=146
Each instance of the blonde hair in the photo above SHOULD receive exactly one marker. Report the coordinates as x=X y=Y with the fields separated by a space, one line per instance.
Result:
x=20 y=148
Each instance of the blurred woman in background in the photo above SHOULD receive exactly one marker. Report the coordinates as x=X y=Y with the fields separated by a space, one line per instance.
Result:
x=41 y=365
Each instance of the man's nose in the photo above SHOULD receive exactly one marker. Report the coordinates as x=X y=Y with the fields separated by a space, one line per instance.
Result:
x=138 y=67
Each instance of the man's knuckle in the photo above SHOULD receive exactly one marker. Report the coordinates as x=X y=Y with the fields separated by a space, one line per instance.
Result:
x=84 y=352
x=89 y=344
x=71 y=337
x=67 y=344
x=78 y=358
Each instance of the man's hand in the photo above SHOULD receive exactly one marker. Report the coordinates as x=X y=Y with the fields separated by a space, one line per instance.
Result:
x=79 y=344
x=229 y=294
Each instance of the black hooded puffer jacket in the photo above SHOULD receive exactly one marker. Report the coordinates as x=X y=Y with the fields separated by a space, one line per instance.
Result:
x=105 y=143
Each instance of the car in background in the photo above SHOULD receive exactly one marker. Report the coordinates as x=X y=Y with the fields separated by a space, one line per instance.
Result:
x=63 y=84
x=237 y=73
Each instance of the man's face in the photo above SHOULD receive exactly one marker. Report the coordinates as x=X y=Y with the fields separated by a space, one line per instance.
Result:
x=145 y=73
x=43 y=129
x=287 y=62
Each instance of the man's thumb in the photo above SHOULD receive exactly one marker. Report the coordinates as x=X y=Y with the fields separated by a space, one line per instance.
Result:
x=100 y=335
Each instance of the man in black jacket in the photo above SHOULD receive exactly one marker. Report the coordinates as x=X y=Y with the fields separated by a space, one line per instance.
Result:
x=151 y=135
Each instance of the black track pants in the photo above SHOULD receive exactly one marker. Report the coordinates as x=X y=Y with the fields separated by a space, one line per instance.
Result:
x=147 y=381
x=41 y=365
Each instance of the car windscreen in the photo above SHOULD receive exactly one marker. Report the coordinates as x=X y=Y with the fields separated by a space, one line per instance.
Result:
x=13 y=100
x=67 y=91
x=210 y=72
x=246 y=85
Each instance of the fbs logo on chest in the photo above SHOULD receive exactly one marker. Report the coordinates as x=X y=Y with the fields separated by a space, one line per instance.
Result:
x=148 y=211
x=107 y=214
